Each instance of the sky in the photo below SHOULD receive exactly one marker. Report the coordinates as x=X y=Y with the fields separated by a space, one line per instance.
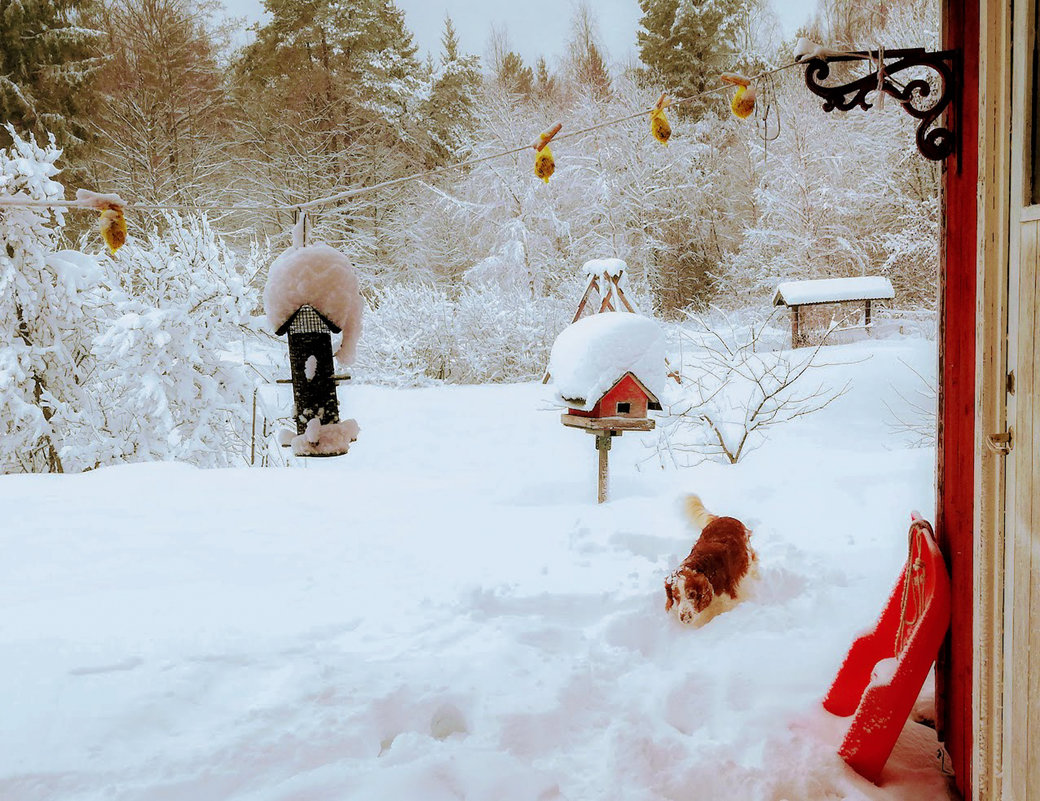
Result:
x=534 y=28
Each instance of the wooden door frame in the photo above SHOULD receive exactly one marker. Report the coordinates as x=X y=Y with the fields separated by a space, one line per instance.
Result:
x=999 y=753
x=994 y=231
x=957 y=429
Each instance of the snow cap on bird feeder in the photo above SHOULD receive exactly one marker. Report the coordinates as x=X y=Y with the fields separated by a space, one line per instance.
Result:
x=591 y=356
x=311 y=293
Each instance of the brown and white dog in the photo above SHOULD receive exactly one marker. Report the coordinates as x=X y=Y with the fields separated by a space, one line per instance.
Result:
x=718 y=564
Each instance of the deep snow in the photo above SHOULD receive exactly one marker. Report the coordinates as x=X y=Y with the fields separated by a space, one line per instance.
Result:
x=446 y=613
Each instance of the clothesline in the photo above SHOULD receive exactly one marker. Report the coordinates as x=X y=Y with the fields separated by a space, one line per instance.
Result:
x=92 y=202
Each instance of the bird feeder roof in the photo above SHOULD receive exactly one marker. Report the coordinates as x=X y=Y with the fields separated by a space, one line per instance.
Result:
x=321 y=277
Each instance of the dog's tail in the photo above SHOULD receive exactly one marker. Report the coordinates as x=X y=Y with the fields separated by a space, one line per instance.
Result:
x=695 y=511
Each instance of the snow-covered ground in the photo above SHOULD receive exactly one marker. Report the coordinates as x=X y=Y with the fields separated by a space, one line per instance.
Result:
x=446 y=613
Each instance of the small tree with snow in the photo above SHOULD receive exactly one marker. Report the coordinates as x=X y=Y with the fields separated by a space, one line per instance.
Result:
x=737 y=384
x=166 y=384
x=49 y=308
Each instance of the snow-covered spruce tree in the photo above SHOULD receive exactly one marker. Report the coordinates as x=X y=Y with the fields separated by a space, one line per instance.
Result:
x=167 y=385
x=48 y=55
x=685 y=44
x=450 y=110
x=49 y=313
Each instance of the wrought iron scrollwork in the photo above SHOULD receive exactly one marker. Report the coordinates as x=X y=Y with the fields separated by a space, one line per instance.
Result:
x=918 y=97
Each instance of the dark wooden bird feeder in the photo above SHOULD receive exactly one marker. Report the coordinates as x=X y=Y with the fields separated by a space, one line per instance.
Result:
x=310 y=362
x=621 y=408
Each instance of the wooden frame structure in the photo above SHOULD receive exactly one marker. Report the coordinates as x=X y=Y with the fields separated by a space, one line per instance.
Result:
x=988 y=476
x=612 y=298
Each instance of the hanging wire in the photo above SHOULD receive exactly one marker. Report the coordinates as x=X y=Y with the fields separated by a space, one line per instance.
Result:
x=764 y=110
x=15 y=201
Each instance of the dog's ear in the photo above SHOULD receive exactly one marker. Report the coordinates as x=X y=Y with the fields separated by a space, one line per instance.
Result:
x=699 y=591
x=669 y=598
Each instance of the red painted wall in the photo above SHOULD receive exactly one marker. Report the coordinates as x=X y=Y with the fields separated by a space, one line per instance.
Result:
x=625 y=391
x=956 y=443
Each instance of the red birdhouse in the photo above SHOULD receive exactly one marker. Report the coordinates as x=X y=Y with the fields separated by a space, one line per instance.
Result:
x=603 y=368
x=628 y=398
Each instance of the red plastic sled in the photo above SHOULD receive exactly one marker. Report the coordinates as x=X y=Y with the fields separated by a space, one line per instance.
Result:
x=885 y=669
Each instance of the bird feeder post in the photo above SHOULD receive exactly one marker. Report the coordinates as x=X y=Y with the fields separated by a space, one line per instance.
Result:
x=603 y=446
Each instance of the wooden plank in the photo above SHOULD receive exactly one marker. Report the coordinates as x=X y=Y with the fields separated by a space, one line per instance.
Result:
x=624 y=298
x=592 y=284
x=1022 y=512
x=1030 y=265
x=995 y=353
x=596 y=424
x=603 y=449
x=1023 y=729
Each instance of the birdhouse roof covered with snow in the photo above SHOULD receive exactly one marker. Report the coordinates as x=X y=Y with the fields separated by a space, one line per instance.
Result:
x=592 y=355
x=833 y=290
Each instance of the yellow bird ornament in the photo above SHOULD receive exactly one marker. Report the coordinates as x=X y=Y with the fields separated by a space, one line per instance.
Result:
x=743 y=102
x=544 y=164
x=113 y=229
x=659 y=126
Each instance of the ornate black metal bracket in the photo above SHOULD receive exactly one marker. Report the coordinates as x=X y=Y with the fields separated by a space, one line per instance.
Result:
x=917 y=96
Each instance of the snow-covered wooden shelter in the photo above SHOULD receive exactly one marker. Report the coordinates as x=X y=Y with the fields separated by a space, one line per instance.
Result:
x=608 y=371
x=828 y=291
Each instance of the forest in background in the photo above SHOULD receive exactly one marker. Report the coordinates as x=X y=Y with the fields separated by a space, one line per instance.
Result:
x=149 y=101
x=468 y=274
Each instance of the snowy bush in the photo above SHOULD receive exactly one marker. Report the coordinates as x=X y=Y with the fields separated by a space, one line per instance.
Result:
x=416 y=332
x=737 y=383
x=164 y=387
x=50 y=305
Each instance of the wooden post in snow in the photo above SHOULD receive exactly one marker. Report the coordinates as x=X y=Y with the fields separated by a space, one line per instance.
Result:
x=603 y=446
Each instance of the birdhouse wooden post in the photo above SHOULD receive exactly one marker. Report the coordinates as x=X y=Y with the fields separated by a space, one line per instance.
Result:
x=622 y=408
x=310 y=362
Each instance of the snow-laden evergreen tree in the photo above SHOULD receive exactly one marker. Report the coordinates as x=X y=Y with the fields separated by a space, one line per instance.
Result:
x=451 y=108
x=169 y=381
x=48 y=55
x=49 y=312
x=331 y=93
x=686 y=44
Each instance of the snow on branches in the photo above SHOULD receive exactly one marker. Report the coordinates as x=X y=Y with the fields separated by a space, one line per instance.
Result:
x=737 y=383
x=48 y=309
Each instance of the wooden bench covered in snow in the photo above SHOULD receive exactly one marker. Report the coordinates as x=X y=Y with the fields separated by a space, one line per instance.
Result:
x=864 y=289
